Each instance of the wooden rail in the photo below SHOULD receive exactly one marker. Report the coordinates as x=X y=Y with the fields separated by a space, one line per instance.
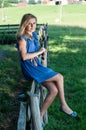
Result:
x=8 y=33
x=30 y=110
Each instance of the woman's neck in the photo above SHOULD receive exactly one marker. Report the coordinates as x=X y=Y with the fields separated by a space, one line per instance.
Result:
x=29 y=35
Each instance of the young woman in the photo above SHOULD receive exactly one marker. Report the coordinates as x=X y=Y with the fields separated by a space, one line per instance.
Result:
x=27 y=42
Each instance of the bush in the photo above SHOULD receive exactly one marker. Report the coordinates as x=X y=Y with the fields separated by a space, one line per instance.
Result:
x=32 y=2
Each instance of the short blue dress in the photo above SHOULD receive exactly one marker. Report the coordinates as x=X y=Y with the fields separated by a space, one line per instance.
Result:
x=30 y=71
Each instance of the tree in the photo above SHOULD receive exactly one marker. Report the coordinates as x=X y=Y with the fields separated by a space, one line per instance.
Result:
x=32 y=2
x=39 y=1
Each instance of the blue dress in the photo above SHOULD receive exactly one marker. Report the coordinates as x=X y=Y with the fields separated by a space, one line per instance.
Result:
x=30 y=71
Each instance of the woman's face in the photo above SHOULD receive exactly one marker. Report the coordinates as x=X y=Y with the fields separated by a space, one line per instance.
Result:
x=31 y=26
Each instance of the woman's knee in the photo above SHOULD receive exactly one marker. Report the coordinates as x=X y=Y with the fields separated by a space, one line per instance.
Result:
x=51 y=86
x=54 y=91
x=60 y=77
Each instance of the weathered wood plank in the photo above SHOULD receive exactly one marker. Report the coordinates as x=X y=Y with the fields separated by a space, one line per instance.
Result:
x=33 y=87
x=29 y=112
x=22 y=117
x=35 y=112
x=43 y=96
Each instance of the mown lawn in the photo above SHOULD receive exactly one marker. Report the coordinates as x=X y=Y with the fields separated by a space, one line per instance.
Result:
x=73 y=14
x=67 y=55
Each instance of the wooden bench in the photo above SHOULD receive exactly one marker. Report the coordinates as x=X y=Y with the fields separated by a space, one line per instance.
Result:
x=30 y=110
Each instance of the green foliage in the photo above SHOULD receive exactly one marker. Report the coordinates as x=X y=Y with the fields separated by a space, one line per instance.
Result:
x=32 y=2
x=6 y=38
x=8 y=33
x=39 y=1
x=8 y=3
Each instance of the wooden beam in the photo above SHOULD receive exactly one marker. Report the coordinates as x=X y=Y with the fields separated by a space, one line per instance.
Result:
x=22 y=117
x=35 y=112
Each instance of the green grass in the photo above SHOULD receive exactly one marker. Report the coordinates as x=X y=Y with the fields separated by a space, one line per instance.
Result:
x=71 y=14
x=67 y=55
x=11 y=82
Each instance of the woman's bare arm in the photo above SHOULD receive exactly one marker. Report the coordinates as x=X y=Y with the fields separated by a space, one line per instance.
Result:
x=23 y=52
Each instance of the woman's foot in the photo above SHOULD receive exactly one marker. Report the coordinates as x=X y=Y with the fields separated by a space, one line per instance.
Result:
x=68 y=111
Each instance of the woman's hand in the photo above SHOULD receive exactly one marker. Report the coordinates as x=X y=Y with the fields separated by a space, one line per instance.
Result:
x=42 y=50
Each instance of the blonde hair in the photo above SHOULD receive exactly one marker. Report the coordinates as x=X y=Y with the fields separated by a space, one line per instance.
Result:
x=23 y=24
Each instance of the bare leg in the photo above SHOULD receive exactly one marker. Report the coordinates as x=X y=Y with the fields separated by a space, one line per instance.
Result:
x=50 y=97
x=58 y=79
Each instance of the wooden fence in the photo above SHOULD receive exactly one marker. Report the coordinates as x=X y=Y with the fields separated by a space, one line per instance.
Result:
x=30 y=110
x=8 y=33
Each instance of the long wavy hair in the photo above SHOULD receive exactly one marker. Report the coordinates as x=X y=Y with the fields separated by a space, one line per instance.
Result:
x=24 y=23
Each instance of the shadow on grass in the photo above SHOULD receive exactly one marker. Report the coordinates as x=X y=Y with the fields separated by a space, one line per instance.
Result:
x=12 y=83
x=67 y=53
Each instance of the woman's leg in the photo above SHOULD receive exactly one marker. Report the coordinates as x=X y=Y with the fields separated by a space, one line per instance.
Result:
x=50 y=97
x=58 y=80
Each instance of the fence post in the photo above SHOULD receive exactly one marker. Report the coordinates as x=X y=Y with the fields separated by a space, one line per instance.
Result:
x=44 y=39
x=22 y=117
x=35 y=112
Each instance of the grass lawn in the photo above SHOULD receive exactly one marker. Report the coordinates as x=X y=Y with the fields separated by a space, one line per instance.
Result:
x=71 y=14
x=67 y=55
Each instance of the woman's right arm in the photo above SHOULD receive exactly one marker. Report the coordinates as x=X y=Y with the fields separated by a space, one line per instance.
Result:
x=23 y=51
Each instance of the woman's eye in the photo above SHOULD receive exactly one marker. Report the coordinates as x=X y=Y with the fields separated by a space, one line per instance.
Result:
x=29 y=24
x=32 y=24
